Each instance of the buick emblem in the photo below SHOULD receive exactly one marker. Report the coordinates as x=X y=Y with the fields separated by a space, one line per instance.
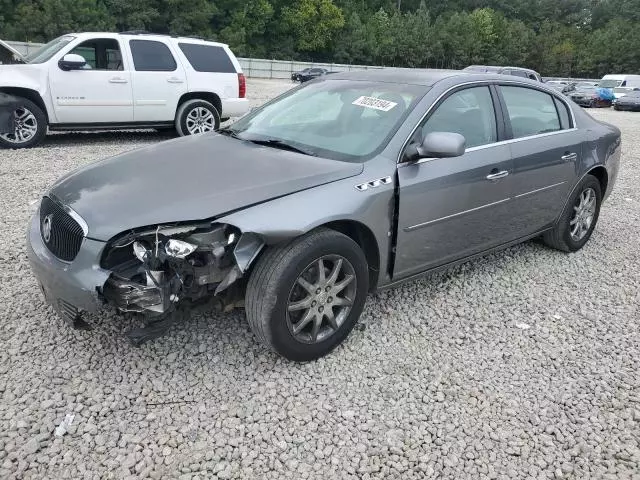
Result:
x=46 y=227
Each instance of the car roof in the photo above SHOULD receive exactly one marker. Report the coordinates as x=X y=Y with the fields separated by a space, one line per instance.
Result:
x=426 y=77
x=145 y=35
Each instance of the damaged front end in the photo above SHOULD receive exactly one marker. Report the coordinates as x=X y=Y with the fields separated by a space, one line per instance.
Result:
x=157 y=271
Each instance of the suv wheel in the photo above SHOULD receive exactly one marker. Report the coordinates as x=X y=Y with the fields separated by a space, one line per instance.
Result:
x=305 y=297
x=197 y=116
x=30 y=126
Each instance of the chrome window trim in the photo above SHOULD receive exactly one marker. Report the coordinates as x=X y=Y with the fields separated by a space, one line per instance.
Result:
x=487 y=83
x=490 y=145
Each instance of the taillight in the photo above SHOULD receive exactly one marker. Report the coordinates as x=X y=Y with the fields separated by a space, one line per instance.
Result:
x=242 y=85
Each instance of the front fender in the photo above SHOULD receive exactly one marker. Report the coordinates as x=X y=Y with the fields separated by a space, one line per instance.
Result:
x=26 y=77
x=294 y=215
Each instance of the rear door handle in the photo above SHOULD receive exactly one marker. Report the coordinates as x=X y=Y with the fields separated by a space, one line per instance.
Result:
x=497 y=175
x=569 y=157
x=117 y=80
x=175 y=80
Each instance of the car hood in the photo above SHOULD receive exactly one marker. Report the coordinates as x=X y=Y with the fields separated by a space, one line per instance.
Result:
x=8 y=49
x=191 y=178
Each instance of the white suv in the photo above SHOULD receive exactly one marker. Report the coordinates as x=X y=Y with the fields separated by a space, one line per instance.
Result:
x=104 y=81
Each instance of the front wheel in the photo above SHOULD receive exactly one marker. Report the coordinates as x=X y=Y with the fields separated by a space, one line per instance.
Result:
x=579 y=218
x=197 y=116
x=305 y=297
x=30 y=126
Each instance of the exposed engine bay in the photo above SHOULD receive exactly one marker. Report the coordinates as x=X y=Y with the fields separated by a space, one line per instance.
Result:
x=156 y=271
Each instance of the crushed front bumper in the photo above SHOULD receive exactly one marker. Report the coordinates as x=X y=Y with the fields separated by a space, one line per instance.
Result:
x=70 y=287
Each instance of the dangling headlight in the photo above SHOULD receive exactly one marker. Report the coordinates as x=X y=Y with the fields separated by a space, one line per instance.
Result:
x=178 y=248
x=140 y=251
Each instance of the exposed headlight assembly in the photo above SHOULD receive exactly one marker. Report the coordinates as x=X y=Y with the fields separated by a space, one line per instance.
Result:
x=178 y=248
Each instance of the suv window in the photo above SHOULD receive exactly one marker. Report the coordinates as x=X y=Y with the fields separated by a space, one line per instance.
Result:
x=100 y=54
x=152 y=56
x=519 y=73
x=468 y=112
x=531 y=111
x=207 y=58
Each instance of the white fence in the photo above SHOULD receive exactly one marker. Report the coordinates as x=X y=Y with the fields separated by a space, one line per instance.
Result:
x=263 y=68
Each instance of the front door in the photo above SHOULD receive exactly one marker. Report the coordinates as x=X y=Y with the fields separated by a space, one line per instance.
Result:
x=546 y=150
x=450 y=208
x=158 y=81
x=100 y=92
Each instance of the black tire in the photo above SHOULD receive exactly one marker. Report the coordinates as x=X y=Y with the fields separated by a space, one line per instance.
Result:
x=40 y=119
x=560 y=236
x=272 y=283
x=190 y=106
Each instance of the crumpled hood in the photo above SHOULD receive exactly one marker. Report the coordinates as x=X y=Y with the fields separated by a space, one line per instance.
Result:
x=191 y=178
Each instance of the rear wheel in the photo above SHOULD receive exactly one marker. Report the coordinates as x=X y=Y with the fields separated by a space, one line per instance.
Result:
x=30 y=126
x=304 y=298
x=197 y=116
x=579 y=218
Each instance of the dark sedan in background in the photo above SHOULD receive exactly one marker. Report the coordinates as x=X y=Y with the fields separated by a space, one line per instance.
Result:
x=350 y=184
x=630 y=101
x=309 y=74
x=588 y=96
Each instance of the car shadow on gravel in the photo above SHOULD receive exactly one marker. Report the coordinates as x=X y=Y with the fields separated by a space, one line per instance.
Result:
x=62 y=139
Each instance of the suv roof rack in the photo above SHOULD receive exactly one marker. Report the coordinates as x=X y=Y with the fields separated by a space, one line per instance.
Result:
x=137 y=32
x=172 y=35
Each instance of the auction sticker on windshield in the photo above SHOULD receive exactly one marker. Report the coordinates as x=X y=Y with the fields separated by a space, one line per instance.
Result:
x=376 y=103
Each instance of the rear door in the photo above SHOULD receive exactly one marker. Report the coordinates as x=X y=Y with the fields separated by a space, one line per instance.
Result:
x=546 y=150
x=210 y=69
x=159 y=81
x=450 y=208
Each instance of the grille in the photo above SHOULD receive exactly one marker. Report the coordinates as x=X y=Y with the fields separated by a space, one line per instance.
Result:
x=65 y=235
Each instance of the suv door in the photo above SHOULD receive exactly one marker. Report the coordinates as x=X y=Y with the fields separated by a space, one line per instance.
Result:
x=158 y=81
x=450 y=208
x=546 y=149
x=100 y=92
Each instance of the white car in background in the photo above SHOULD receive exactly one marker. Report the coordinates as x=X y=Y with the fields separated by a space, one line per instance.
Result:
x=104 y=81
x=621 y=84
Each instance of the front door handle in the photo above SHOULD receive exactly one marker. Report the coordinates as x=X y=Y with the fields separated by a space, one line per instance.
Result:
x=569 y=157
x=117 y=80
x=497 y=175
x=175 y=80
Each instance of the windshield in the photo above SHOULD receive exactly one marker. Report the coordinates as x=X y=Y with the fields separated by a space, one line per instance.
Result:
x=47 y=51
x=610 y=83
x=339 y=119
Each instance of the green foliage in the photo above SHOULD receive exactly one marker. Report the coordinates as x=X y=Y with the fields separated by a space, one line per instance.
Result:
x=555 y=37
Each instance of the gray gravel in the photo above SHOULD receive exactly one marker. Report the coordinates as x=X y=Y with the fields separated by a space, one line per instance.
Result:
x=524 y=364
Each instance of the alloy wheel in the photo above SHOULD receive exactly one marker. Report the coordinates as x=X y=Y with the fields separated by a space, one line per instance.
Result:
x=26 y=127
x=321 y=299
x=200 y=120
x=584 y=213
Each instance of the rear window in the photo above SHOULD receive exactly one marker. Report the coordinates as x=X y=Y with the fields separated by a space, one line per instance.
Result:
x=152 y=56
x=207 y=58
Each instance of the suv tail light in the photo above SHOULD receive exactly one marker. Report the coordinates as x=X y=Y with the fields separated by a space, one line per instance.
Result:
x=242 y=85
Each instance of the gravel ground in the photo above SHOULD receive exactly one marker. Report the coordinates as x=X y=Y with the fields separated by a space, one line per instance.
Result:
x=524 y=364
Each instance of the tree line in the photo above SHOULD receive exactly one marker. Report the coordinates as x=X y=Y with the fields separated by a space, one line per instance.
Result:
x=579 y=38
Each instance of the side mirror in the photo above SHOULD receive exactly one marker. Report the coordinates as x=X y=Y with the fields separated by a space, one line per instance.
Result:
x=72 y=61
x=437 y=145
